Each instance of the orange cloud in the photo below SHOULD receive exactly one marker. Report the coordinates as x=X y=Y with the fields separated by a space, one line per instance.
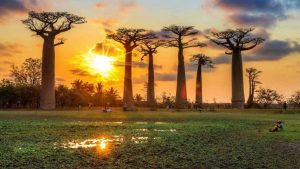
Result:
x=125 y=5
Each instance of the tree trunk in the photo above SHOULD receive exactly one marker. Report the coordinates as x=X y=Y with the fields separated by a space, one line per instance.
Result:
x=199 y=86
x=181 y=96
x=238 y=97
x=127 y=94
x=150 y=88
x=47 y=101
x=250 y=98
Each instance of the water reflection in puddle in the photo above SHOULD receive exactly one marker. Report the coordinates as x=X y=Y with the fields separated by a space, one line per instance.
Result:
x=159 y=122
x=103 y=142
x=159 y=130
x=141 y=122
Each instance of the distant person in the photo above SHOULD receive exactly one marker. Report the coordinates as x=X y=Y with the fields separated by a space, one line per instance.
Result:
x=284 y=106
x=278 y=126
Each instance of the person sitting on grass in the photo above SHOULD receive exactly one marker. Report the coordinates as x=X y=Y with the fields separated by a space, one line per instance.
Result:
x=278 y=126
x=106 y=108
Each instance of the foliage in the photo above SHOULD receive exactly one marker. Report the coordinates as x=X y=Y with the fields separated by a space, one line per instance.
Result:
x=268 y=97
x=29 y=73
x=295 y=99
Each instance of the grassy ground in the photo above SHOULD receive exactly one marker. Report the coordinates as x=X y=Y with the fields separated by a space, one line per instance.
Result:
x=161 y=139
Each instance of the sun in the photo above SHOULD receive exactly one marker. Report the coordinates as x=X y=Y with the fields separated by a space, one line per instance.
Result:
x=99 y=64
x=102 y=64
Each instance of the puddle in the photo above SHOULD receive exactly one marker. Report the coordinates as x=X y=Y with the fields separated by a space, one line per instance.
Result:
x=117 y=122
x=168 y=130
x=160 y=122
x=141 y=122
x=159 y=130
x=103 y=142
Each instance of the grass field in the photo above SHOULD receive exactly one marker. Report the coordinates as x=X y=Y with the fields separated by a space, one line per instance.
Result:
x=160 y=139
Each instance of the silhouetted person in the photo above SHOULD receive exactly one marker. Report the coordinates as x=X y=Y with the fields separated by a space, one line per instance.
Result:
x=285 y=106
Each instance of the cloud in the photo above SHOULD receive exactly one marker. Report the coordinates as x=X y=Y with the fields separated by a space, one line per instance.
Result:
x=10 y=49
x=109 y=22
x=169 y=76
x=59 y=79
x=7 y=63
x=80 y=72
x=100 y=5
x=264 y=13
x=104 y=49
x=124 y=6
x=137 y=65
x=13 y=7
x=274 y=50
x=269 y=51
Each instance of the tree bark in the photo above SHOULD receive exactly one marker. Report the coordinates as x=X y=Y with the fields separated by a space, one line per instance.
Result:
x=127 y=94
x=238 y=97
x=199 y=86
x=150 y=89
x=250 y=100
x=181 y=96
x=47 y=101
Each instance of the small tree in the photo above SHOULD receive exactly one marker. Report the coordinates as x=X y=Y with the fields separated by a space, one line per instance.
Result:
x=175 y=38
x=130 y=39
x=268 y=97
x=48 y=25
x=236 y=41
x=149 y=48
x=295 y=99
x=200 y=60
x=29 y=73
x=253 y=75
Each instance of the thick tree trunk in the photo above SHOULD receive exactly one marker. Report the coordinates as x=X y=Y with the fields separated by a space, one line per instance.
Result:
x=199 y=86
x=127 y=94
x=181 y=96
x=47 y=101
x=150 y=87
x=238 y=97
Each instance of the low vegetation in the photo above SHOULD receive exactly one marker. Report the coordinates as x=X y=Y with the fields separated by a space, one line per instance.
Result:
x=161 y=139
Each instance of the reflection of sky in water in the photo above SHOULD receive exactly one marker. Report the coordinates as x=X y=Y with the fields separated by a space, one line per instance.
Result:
x=103 y=143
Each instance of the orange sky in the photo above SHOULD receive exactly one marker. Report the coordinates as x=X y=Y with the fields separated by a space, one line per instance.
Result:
x=277 y=22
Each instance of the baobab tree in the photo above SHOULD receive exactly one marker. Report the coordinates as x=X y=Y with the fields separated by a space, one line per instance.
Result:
x=149 y=48
x=175 y=38
x=236 y=41
x=48 y=25
x=130 y=39
x=200 y=60
x=252 y=74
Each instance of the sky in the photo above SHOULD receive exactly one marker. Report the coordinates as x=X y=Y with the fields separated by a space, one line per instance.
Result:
x=275 y=20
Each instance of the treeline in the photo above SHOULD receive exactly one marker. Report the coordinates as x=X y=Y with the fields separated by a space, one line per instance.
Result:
x=22 y=90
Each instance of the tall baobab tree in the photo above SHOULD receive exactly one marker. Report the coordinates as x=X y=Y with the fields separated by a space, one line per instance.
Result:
x=200 y=60
x=252 y=74
x=48 y=25
x=176 y=35
x=236 y=41
x=149 y=48
x=130 y=39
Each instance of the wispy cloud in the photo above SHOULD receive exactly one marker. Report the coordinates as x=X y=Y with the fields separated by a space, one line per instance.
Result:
x=10 y=49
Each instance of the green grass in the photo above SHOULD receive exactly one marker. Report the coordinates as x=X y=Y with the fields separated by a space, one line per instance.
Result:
x=222 y=139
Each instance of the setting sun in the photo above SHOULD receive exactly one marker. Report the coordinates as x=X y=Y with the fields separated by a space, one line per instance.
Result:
x=97 y=64
x=102 y=64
